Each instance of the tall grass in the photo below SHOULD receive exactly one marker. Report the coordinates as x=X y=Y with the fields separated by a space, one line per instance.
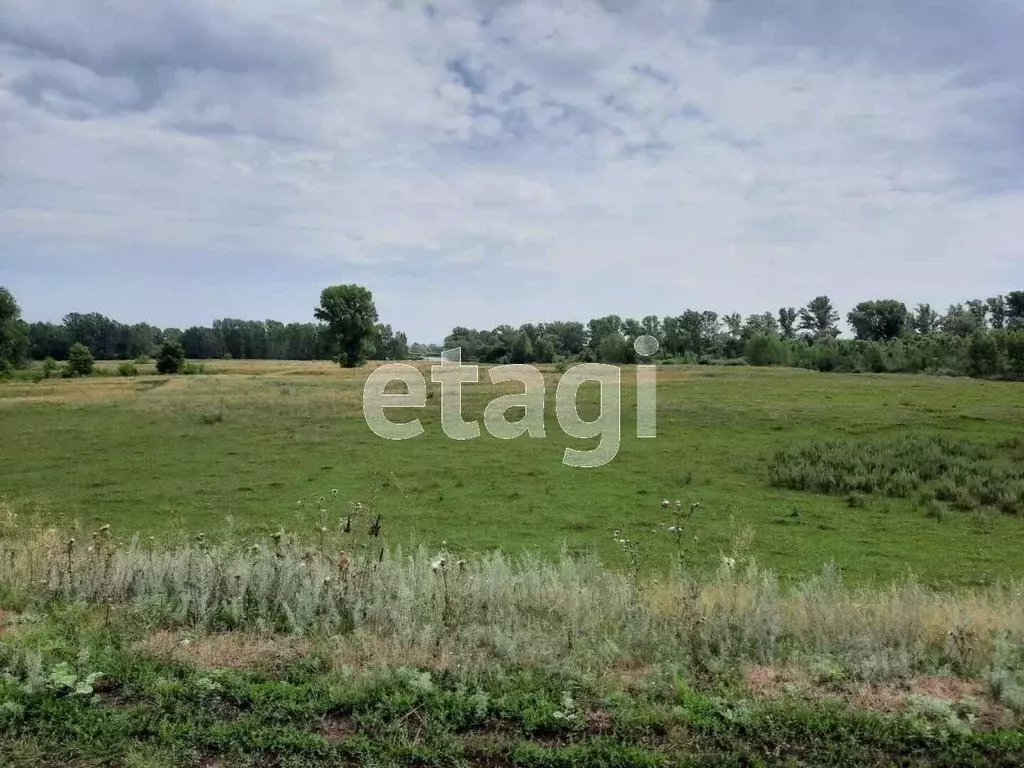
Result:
x=569 y=613
x=964 y=473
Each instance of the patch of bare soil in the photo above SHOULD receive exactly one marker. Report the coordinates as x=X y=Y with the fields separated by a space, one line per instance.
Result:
x=771 y=683
x=337 y=727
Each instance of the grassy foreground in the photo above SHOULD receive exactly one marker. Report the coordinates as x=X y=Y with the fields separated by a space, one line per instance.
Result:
x=252 y=446
x=302 y=654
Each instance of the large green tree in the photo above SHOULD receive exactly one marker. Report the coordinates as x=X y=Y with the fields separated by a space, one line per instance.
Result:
x=925 y=320
x=879 y=320
x=819 y=317
x=13 y=332
x=787 y=322
x=350 y=315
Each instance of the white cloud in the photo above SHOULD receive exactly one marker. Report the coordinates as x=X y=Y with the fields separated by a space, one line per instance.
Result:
x=652 y=154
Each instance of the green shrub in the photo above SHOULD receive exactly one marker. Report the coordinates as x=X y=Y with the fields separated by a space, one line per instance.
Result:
x=765 y=350
x=127 y=369
x=192 y=369
x=50 y=368
x=80 y=360
x=171 y=358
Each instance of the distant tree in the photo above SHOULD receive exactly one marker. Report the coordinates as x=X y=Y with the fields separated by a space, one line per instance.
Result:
x=613 y=349
x=171 y=358
x=997 y=311
x=350 y=315
x=819 y=318
x=1015 y=309
x=544 y=349
x=600 y=327
x=978 y=309
x=959 y=321
x=879 y=320
x=763 y=324
x=983 y=354
x=652 y=327
x=925 y=320
x=399 y=349
x=80 y=360
x=632 y=329
x=787 y=322
x=98 y=332
x=13 y=332
x=383 y=338
x=570 y=337
x=733 y=324
x=521 y=349
x=1015 y=353
x=693 y=332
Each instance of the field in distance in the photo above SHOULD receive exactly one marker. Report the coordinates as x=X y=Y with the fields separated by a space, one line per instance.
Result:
x=250 y=447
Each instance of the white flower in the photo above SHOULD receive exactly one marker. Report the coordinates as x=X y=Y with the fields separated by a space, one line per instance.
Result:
x=665 y=503
x=438 y=564
x=729 y=562
x=679 y=504
x=674 y=529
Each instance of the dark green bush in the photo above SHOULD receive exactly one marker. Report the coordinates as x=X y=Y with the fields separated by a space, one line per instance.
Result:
x=80 y=361
x=171 y=358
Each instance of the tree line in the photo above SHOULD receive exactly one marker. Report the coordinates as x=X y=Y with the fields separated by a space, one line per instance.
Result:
x=108 y=339
x=980 y=337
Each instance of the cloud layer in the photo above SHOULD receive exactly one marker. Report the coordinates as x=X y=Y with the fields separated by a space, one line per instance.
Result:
x=477 y=163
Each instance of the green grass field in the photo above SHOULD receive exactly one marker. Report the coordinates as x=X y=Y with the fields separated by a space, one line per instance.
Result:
x=236 y=450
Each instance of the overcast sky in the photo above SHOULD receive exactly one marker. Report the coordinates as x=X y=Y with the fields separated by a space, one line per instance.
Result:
x=476 y=163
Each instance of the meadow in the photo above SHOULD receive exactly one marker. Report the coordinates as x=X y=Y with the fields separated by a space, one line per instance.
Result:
x=249 y=448
x=230 y=569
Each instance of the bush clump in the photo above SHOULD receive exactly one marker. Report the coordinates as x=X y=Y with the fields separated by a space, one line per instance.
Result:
x=80 y=360
x=171 y=358
x=964 y=474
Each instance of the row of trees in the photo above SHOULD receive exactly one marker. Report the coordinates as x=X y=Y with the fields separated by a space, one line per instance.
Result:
x=981 y=337
x=108 y=339
x=978 y=337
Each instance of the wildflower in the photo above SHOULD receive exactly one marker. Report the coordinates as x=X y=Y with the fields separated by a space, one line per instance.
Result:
x=438 y=564
x=729 y=562
x=298 y=503
x=665 y=503
x=674 y=529
x=322 y=529
x=462 y=565
x=334 y=491
x=327 y=579
x=104 y=528
x=679 y=504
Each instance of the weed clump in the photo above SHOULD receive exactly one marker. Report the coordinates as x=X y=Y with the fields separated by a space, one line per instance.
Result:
x=964 y=474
